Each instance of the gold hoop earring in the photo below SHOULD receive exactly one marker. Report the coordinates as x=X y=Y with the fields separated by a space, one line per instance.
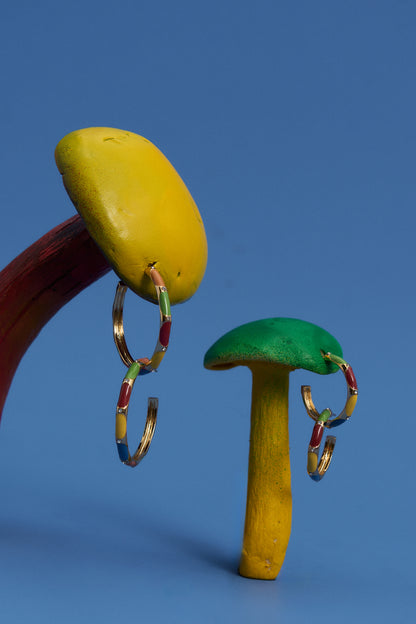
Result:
x=317 y=468
x=165 y=322
x=138 y=368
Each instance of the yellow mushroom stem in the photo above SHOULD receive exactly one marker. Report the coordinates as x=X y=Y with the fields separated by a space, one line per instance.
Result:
x=269 y=496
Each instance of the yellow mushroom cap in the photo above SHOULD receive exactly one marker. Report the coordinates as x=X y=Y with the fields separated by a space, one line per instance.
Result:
x=137 y=209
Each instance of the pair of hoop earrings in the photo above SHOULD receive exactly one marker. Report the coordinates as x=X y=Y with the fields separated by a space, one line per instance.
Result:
x=138 y=368
x=317 y=468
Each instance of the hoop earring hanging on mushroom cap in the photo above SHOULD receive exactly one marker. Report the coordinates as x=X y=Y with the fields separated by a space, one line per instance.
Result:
x=317 y=468
x=352 y=394
x=137 y=368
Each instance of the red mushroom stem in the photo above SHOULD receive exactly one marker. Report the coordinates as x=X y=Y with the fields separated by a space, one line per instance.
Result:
x=36 y=284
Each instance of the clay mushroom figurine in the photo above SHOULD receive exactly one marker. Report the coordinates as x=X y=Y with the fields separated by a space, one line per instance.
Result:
x=271 y=349
x=135 y=213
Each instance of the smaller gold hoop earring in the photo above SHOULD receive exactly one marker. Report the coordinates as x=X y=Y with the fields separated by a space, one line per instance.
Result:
x=121 y=419
x=317 y=468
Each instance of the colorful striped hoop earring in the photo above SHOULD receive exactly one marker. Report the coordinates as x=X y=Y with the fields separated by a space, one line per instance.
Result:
x=139 y=367
x=317 y=468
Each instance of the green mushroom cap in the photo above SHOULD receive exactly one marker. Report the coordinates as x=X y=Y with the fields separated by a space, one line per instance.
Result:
x=285 y=341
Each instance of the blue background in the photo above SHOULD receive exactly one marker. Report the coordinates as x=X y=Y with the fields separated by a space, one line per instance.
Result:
x=293 y=125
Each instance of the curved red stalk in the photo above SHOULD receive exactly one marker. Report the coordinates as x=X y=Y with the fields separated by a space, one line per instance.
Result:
x=36 y=284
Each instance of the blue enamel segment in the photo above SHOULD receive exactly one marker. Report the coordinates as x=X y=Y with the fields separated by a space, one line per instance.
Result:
x=315 y=477
x=123 y=452
x=143 y=371
x=336 y=423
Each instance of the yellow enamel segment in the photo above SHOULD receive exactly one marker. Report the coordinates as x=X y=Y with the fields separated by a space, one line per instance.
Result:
x=121 y=426
x=312 y=462
x=157 y=358
x=136 y=208
x=350 y=405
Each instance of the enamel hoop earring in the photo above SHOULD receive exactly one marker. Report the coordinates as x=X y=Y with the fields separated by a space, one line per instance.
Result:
x=139 y=367
x=317 y=468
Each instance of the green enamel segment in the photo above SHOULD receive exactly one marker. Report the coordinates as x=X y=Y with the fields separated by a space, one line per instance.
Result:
x=133 y=371
x=338 y=360
x=324 y=416
x=289 y=342
x=164 y=303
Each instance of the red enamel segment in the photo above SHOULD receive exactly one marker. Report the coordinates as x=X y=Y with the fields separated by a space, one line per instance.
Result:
x=165 y=333
x=350 y=378
x=125 y=392
x=317 y=434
